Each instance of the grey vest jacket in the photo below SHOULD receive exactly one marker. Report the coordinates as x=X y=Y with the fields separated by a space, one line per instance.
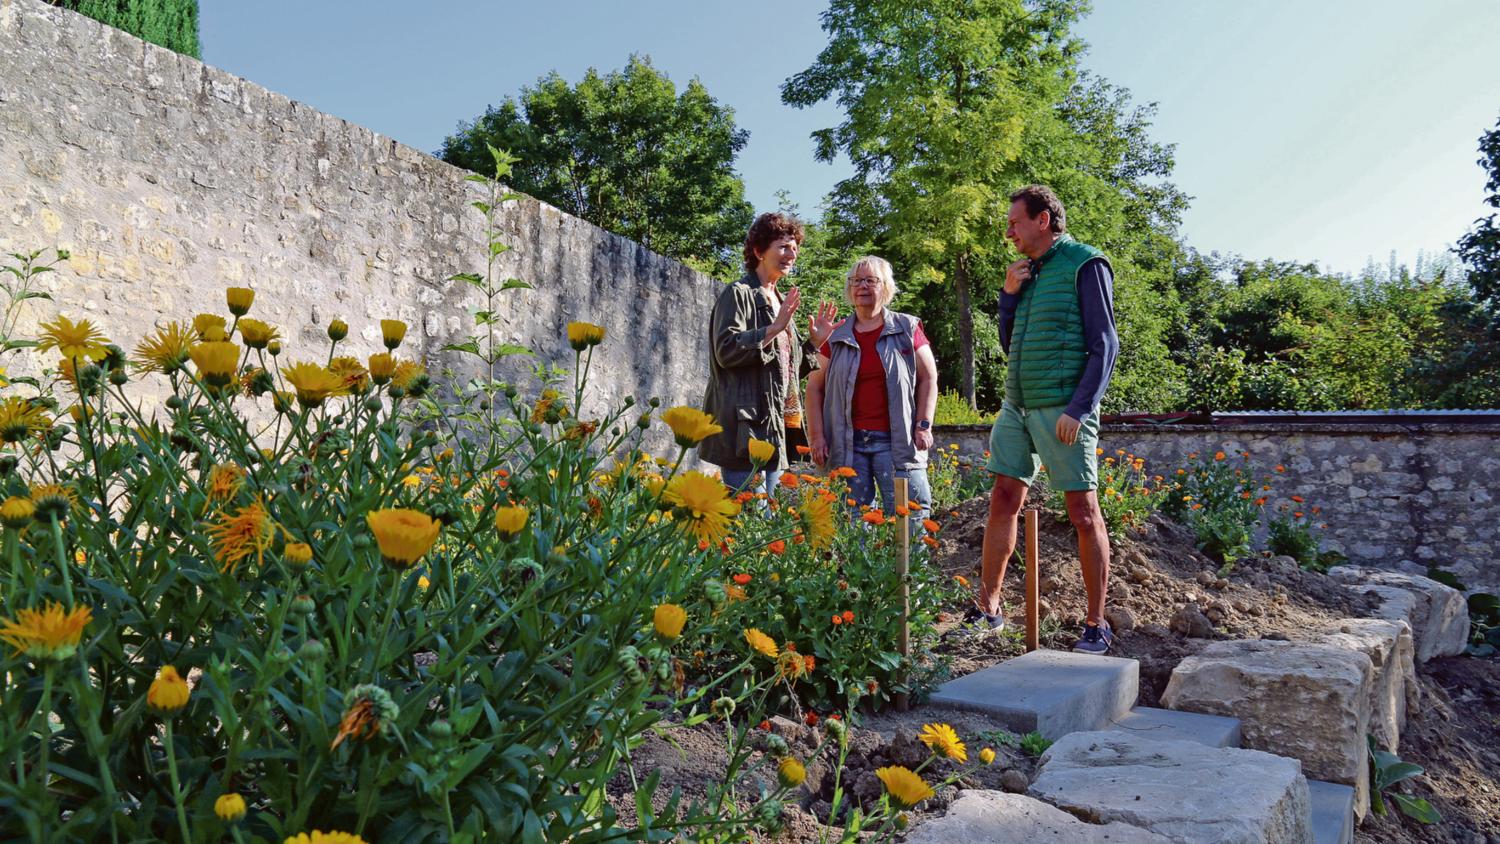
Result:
x=900 y=362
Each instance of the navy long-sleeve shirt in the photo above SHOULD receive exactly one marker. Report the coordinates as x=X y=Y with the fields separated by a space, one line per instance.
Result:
x=1096 y=300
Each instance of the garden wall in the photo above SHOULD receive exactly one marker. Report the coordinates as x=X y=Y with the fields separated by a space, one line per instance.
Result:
x=169 y=180
x=1396 y=495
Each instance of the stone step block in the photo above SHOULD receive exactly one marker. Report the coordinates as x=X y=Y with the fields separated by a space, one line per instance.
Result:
x=1051 y=692
x=1181 y=789
x=1305 y=700
x=994 y=817
x=1173 y=725
x=1332 y=812
x=1438 y=614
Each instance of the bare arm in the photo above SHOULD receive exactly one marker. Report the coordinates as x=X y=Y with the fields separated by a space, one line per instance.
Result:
x=813 y=408
x=927 y=390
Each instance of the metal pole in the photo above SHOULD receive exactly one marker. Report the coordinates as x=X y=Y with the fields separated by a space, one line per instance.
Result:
x=1033 y=577
x=903 y=563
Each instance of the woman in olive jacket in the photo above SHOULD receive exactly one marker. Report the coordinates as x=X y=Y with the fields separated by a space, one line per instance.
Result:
x=756 y=360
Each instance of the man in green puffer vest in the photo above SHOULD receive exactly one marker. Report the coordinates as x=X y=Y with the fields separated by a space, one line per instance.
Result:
x=1057 y=326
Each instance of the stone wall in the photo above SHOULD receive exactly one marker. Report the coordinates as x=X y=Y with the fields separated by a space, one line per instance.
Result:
x=169 y=180
x=1398 y=496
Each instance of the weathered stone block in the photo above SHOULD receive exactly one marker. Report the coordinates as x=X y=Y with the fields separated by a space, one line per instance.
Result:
x=1052 y=692
x=1174 y=725
x=1183 y=790
x=1307 y=701
x=1438 y=614
x=1393 y=681
x=994 y=817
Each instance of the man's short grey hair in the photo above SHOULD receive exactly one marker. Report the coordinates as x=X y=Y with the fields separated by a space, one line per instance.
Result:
x=881 y=269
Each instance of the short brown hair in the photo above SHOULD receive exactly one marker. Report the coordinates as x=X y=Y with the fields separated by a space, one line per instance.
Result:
x=766 y=230
x=1039 y=198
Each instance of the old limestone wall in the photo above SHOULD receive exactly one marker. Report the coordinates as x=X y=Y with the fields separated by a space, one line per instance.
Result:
x=169 y=180
x=1399 y=496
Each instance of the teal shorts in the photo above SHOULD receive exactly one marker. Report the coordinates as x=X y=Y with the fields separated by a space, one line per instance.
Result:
x=1024 y=440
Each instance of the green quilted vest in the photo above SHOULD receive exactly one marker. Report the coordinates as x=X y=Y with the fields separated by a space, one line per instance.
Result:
x=1047 y=346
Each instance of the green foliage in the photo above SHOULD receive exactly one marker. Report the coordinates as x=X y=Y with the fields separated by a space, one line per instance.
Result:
x=956 y=478
x=1291 y=534
x=1034 y=744
x=1484 y=624
x=627 y=152
x=169 y=23
x=1386 y=770
x=1221 y=501
x=953 y=409
x=1127 y=494
x=1480 y=247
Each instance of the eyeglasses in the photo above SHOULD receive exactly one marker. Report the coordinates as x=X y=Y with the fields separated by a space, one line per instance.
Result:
x=867 y=282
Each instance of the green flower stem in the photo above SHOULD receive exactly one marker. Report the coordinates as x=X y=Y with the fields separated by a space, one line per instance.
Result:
x=46 y=711
x=177 y=795
x=390 y=615
x=62 y=563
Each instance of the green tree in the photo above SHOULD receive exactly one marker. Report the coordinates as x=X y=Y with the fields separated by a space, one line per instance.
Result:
x=169 y=23
x=627 y=152
x=1480 y=248
x=949 y=106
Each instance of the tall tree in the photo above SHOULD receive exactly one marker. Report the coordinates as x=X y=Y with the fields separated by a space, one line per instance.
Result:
x=169 y=23
x=626 y=152
x=1480 y=248
x=951 y=104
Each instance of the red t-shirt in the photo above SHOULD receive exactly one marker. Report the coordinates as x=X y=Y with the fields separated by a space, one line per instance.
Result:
x=872 y=410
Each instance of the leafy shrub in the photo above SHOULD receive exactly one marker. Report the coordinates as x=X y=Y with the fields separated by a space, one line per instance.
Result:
x=956 y=477
x=1291 y=534
x=1221 y=501
x=953 y=409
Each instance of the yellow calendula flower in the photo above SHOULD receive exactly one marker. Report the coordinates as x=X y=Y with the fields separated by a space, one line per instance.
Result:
x=510 y=520
x=338 y=330
x=987 y=756
x=355 y=378
x=404 y=535
x=53 y=500
x=944 y=741
x=47 y=633
x=166 y=349
x=17 y=512
x=703 y=505
x=392 y=331
x=216 y=361
x=382 y=367
x=817 y=520
x=319 y=837
x=582 y=335
x=689 y=425
x=761 y=451
x=210 y=328
x=761 y=643
x=312 y=382
x=906 y=788
x=19 y=419
x=257 y=334
x=239 y=300
x=407 y=372
x=230 y=807
x=669 y=620
x=297 y=553
x=225 y=481
x=423 y=582
x=72 y=339
x=791 y=773
x=168 y=692
x=249 y=530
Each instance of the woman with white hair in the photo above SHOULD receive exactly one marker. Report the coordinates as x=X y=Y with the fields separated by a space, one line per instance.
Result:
x=870 y=401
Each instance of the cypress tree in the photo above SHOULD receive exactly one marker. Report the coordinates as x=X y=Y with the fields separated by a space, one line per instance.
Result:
x=170 y=23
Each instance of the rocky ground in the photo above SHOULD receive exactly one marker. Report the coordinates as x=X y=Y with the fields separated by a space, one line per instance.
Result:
x=1167 y=602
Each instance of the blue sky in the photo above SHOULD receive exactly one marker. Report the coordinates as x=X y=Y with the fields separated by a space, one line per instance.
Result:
x=1334 y=131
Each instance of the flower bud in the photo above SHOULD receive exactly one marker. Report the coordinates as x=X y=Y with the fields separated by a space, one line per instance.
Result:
x=303 y=605
x=338 y=330
x=440 y=729
x=723 y=707
x=119 y=377
x=312 y=651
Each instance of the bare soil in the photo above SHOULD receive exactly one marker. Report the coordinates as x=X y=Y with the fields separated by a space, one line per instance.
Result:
x=1157 y=573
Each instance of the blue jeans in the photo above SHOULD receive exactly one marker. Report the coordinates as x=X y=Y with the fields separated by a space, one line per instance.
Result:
x=748 y=479
x=873 y=466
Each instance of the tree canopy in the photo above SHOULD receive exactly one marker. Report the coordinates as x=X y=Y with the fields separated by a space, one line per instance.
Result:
x=169 y=23
x=625 y=151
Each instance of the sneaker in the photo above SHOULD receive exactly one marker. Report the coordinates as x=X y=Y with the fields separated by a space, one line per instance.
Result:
x=983 y=623
x=1095 y=640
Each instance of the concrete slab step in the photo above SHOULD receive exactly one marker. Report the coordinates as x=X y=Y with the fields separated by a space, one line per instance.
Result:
x=994 y=817
x=1332 y=812
x=1171 y=725
x=1051 y=692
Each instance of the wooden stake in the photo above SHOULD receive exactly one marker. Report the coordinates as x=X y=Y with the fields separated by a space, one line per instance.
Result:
x=1033 y=578
x=903 y=562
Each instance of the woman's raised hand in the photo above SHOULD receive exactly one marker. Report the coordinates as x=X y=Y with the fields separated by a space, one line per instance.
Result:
x=784 y=314
x=823 y=323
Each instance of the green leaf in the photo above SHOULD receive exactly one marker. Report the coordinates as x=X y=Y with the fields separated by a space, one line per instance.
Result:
x=470 y=346
x=515 y=284
x=1416 y=808
x=508 y=349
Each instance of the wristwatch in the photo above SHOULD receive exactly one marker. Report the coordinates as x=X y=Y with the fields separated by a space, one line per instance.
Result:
x=924 y=425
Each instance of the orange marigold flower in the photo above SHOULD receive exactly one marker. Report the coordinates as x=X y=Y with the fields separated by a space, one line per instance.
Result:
x=844 y=472
x=1280 y=468
x=1219 y=455
x=811 y=718
x=930 y=525
x=902 y=511
x=962 y=581
x=1297 y=498
x=790 y=480
x=929 y=542
x=874 y=517
x=742 y=579
x=778 y=547
x=804 y=450
x=848 y=616
x=1297 y=514
x=837 y=619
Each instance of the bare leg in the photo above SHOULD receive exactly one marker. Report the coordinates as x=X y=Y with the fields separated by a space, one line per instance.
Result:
x=1006 y=499
x=1093 y=549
